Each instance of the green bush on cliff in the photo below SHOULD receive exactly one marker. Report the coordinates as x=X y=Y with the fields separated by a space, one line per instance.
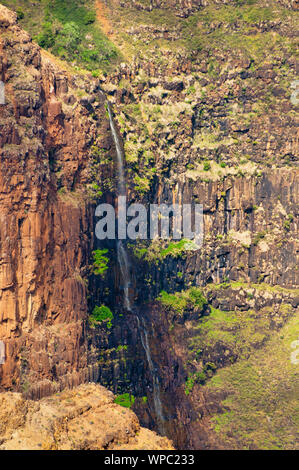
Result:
x=125 y=400
x=67 y=40
x=46 y=37
x=100 y=262
x=174 y=302
x=197 y=377
x=20 y=13
x=177 y=249
x=179 y=302
x=197 y=298
x=101 y=314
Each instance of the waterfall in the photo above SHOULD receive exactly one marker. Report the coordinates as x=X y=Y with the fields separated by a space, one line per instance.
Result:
x=125 y=273
x=156 y=383
x=119 y=154
x=124 y=267
x=122 y=256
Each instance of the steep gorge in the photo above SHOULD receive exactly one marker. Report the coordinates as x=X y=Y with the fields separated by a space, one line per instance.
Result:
x=209 y=138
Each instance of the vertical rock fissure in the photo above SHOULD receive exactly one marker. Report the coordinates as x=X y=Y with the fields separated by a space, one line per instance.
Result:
x=126 y=281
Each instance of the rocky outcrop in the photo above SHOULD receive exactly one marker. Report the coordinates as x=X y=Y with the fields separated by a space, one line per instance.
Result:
x=85 y=418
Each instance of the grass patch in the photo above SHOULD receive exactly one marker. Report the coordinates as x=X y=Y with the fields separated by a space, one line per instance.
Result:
x=260 y=411
x=182 y=301
x=237 y=332
x=67 y=28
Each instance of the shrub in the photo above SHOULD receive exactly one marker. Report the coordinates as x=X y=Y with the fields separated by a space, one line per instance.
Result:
x=197 y=377
x=89 y=17
x=177 y=249
x=197 y=298
x=68 y=40
x=46 y=38
x=20 y=13
x=100 y=262
x=173 y=301
x=125 y=400
x=101 y=314
x=179 y=302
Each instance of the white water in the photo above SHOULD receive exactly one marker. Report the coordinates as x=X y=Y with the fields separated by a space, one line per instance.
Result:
x=124 y=266
x=121 y=251
x=125 y=273
x=156 y=384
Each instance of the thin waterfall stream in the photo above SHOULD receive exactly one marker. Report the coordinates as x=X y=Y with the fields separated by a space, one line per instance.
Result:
x=124 y=266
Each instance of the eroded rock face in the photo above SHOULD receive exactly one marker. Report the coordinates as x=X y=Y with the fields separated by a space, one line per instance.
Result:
x=184 y=8
x=46 y=235
x=189 y=347
x=85 y=418
x=213 y=113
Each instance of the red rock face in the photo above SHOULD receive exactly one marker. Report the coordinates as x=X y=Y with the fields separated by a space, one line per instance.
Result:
x=46 y=224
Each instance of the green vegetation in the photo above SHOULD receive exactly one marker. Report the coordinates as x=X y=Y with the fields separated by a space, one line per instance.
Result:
x=158 y=250
x=183 y=301
x=101 y=315
x=244 y=285
x=100 y=262
x=70 y=33
x=20 y=13
x=68 y=28
x=177 y=249
x=239 y=333
x=125 y=400
x=197 y=377
x=260 y=411
x=206 y=166
x=245 y=14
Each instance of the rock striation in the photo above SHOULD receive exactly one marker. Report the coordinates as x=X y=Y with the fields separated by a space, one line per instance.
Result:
x=85 y=418
x=46 y=234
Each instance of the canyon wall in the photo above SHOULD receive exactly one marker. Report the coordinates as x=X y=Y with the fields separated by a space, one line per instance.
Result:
x=71 y=420
x=206 y=116
x=205 y=120
x=46 y=233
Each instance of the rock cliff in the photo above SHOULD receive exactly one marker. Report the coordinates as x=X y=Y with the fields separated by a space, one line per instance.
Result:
x=46 y=132
x=204 y=102
x=85 y=418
